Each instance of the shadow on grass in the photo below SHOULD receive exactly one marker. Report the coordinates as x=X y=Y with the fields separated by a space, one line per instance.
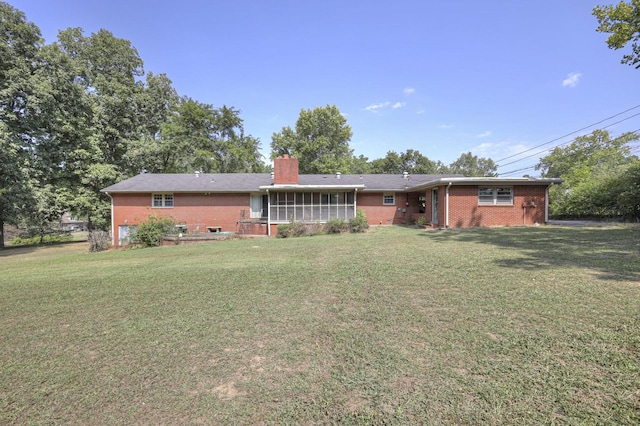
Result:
x=31 y=248
x=614 y=252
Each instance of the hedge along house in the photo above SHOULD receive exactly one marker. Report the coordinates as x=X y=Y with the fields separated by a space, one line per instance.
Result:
x=255 y=203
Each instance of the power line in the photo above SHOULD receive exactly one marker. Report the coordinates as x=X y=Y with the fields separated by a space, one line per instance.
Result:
x=569 y=134
x=564 y=143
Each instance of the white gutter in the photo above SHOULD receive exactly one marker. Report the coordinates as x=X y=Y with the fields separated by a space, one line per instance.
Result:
x=446 y=207
x=303 y=187
x=113 y=229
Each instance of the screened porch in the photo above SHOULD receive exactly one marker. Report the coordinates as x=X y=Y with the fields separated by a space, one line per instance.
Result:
x=311 y=206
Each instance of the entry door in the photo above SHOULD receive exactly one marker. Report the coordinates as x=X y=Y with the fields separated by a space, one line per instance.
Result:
x=124 y=234
x=434 y=206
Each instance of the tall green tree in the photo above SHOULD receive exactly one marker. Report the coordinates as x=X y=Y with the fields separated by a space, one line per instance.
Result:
x=320 y=141
x=622 y=23
x=411 y=161
x=198 y=136
x=471 y=165
x=593 y=168
x=20 y=43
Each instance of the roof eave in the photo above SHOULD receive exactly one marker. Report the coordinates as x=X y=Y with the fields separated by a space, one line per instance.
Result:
x=489 y=181
x=293 y=187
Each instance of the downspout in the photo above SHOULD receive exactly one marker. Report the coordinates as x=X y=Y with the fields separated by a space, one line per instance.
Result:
x=113 y=229
x=355 y=202
x=446 y=207
x=268 y=214
x=546 y=204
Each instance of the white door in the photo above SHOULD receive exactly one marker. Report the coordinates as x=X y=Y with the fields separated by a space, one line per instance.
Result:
x=124 y=234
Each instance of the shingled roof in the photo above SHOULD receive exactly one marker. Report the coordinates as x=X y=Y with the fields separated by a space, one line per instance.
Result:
x=254 y=182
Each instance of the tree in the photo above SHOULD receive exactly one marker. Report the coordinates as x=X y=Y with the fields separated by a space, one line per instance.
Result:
x=199 y=137
x=628 y=192
x=622 y=22
x=320 y=141
x=410 y=161
x=20 y=43
x=594 y=169
x=470 y=165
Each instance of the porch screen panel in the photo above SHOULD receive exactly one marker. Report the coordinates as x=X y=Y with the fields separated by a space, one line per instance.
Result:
x=312 y=206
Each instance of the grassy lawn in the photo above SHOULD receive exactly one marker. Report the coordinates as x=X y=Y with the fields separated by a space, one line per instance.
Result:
x=399 y=325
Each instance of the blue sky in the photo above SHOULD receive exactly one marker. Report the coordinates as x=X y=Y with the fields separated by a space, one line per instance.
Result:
x=494 y=77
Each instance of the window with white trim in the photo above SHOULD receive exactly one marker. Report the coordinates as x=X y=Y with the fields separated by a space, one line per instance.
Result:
x=162 y=200
x=495 y=196
x=389 y=199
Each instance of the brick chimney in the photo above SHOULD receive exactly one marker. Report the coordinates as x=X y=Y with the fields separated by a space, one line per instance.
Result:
x=285 y=170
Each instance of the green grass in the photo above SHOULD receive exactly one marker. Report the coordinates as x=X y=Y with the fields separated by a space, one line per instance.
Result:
x=398 y=325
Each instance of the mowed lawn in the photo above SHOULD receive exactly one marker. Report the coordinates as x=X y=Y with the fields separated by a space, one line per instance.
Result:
x=395 y=326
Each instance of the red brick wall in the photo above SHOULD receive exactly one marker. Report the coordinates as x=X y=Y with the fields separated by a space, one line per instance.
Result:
x=464 y=210
x=285 y=170
x=197 y=211
x=379 y=214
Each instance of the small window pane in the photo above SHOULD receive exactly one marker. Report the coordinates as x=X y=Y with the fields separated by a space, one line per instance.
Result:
x=485 y=195
x=504 y=196
x=157 y=200
x=168 y=200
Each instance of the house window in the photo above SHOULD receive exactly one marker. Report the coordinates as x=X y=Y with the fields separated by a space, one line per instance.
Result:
x=389 y=199
x=162 y=200
x=495 y=196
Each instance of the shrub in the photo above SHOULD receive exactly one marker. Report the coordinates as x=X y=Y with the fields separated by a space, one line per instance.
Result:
x=359 y=223
x=150 y=232
x=409 y=221
x=297 y=229
x=44 y=239
x=98 y=241
x=336 y=226
x=422 y=221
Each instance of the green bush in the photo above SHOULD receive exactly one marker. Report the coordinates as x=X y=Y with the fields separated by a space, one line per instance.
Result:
x=150 y=232
x=422 y=221
x=45 y=239
x=298 y=229
x=336 y=226
x=359 y=223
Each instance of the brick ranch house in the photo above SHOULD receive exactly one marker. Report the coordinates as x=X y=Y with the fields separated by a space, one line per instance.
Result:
x=255 y=203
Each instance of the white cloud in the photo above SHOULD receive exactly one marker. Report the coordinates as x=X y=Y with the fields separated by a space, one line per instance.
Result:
x=499 y=150
x=398 y=105
x=409 y=91
x=572 y=79
x=485 y=134
x=446 y=126
x=376 y=107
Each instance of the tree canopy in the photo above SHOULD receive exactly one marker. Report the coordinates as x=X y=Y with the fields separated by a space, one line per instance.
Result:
x=320 y=141
x=80 y=114
x=599 y=173
x=622 y=23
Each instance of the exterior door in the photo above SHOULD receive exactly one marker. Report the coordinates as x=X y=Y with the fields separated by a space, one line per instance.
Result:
x=124 y=234
x=434 y=206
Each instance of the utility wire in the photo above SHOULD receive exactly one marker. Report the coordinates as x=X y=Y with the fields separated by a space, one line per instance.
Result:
x=564 y=143
x=569 y=134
